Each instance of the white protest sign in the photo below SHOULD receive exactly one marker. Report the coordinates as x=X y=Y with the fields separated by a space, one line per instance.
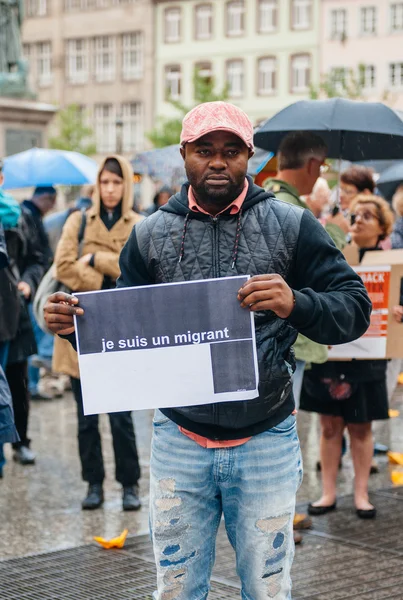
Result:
x=168 y=345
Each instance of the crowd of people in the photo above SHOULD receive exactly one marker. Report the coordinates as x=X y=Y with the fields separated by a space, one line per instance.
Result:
x=305 y=298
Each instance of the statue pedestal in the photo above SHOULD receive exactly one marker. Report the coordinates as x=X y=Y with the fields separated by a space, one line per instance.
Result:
x=23 y=124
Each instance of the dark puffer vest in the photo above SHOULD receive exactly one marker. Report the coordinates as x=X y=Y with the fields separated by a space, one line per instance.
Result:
x=175 y=244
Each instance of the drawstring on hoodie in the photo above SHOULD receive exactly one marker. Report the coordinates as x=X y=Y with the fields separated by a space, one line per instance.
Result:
x=237 y=236
x=185 y=226
x=236 y=242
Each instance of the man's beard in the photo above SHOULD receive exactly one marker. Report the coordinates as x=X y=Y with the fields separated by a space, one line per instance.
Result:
x=209 y=194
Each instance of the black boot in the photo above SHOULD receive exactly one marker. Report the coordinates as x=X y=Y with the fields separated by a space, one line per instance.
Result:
x=131 y=500
x=95 y=497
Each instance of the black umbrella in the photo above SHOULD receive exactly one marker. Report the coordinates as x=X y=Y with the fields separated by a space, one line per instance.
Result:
x=390 y=180
x=352 y=130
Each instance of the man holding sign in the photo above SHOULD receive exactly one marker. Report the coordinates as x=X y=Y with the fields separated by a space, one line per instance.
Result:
x=237 y=459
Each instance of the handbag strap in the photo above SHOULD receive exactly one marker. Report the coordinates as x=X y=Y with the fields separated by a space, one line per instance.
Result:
x=81 y=232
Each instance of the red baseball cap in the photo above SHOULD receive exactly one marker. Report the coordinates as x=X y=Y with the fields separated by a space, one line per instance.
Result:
x=216 y=116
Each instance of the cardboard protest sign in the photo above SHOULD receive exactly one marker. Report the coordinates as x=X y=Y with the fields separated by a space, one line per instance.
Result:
x=168 y=345
x=381 y=273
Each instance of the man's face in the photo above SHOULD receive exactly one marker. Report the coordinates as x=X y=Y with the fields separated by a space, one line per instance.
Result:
x=47 y=203
x=216 y=166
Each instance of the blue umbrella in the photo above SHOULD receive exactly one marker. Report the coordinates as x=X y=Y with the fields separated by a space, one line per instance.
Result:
x=166 y=164
x=390 y=180
x=352 y=130
x=40 y=166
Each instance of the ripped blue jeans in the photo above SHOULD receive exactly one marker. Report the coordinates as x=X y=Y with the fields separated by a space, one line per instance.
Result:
x=253 y=486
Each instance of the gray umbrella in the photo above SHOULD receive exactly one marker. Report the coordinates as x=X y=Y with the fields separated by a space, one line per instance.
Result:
x=354 y=131
x=390 y=180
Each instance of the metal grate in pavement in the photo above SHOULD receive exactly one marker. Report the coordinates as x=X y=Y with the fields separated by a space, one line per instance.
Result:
x=342 y=558
x=85 y=573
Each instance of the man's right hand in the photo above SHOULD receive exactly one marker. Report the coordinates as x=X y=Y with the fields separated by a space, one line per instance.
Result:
x=59 y=311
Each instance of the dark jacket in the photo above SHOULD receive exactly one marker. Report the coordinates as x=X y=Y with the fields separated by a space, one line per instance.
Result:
x=33 y=223
x=29 y=256
x=8 y=432
x=332 y=306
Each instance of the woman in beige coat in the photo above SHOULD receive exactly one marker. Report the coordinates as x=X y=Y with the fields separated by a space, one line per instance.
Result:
x=108 y=225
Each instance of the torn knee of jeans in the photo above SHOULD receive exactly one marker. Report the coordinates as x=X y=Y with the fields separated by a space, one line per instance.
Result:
x=167 y=562
x=277 y=530
x=274 y=582
x=273 y=524
x=173 y=593
x=166 y=504
x=167 y=485
x=174 y=576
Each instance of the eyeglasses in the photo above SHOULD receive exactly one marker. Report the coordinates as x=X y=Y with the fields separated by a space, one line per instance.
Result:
x=366 y=216
x=348 y=192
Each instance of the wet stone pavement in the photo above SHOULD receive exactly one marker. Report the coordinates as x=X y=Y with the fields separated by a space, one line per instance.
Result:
x=46 y=549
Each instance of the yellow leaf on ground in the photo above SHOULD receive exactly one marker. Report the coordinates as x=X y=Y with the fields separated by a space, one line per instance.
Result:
x=117 y=542
x=397 y=477
x=395 y=458
x=393 y=413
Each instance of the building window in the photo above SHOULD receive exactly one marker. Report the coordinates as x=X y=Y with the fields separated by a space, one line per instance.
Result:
x=338 y=24
x=173 y=78
x=44 y=63
x=205 y=71
x=235 y=78
x=204 y=21
x=367 y=76
x=72 y=5
x=36 y=8
x=396 y=16
x=301 y=14
x=77 y=61
x=172 y=19
x=132 y=118
x=267 y=16
x=266 y=76
x=368 y=20
x=396 y=75
x=105 y=127
x=300 y=73
x=104 y=58
x=132 y=55
x=235 y=17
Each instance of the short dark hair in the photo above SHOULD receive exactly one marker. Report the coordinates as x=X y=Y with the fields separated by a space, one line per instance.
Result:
x=113 y=166
x=45 y=190
x=1 y=165
x=297 y=147
x=360 y=176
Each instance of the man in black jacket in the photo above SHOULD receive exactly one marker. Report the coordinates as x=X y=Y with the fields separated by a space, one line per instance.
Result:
x=240 y=459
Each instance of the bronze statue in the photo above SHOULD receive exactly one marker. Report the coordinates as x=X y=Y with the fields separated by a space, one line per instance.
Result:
x=13 y=68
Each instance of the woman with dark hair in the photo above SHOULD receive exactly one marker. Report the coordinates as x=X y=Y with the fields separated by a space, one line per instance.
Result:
x=353 y=181
x=108 y=225
x=350 y=394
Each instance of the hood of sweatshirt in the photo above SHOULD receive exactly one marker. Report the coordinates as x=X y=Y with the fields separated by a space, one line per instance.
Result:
x=127 y=200
x=179 y=203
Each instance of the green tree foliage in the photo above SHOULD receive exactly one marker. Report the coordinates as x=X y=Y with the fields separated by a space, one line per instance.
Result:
x=340 y=83
x=167 y=130
x=73 y=134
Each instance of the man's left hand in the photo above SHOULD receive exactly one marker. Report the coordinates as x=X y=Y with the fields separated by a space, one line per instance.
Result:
x=25 y=289
x=267 y=292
